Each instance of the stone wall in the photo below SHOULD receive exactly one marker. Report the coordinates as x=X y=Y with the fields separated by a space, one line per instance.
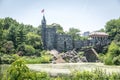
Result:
x=64 y=42
x=50 y=38
x=78 y=44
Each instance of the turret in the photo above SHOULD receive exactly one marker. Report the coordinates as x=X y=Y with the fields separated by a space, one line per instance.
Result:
x=43 y=21
x=43 y=31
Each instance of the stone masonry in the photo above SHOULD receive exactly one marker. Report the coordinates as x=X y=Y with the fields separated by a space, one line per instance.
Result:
x=62 y=42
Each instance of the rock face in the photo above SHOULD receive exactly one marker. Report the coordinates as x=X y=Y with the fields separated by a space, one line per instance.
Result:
x=73 y=57
x=91 y=55
x=56 y=57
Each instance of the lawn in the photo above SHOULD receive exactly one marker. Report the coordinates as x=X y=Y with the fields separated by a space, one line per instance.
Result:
x=67 y=68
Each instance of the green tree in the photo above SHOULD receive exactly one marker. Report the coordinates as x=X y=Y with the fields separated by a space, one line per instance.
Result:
x=58 y=27
x=112 y=27
x=13 y=35
x=21 y=35
x=29 y=28
x=8 y=47
x=34 y=40
x=113 y=51
x=8 y=22
x=27 y=50
x=1 y=34
x=39 y=30
x=75 y=33
x=19 y=71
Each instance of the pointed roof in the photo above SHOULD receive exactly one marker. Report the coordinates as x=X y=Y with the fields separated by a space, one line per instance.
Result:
x=43 y=20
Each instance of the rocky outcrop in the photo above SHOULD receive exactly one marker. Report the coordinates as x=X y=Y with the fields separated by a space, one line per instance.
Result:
x=91 y=55
x=73 y=57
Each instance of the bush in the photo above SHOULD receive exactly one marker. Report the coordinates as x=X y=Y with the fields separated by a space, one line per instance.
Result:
x=116 y=60
x=108 y=59
x=37 y=60
x=85 y=75
x=29 y=50
x=113 y=51
x=8 y=59
x=19 y=71
x=42 y=76
x=96 y=74
x=101 y=57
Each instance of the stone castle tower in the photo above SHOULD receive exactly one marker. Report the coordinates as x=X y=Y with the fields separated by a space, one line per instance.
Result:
x=43 y=22
x=52 y=40
x=63 y=42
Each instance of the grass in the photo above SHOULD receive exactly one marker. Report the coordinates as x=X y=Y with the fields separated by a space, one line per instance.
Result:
x=96 y=74
x=66 y=68
x=37 y=60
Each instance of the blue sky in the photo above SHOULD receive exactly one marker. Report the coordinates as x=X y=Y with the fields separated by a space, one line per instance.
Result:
x=86 y=15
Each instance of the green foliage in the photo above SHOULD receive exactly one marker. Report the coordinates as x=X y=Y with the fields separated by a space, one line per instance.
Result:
x=84 y=38
x=32 y=60
x=80 y=54
x=42 y=76
x=8 y=59
x=85 y=75
x=21 y=35
x=14 y=35
x=37 y=60
x=19 y=71
x=101 y=57
x=7 y=47
x=58 y=27
x=116 y=60
x=89 y=75
x=113 y=52
x=45 y=59
x=34 y=40
x=75 y=33
x=113 y=29
x=29 y=50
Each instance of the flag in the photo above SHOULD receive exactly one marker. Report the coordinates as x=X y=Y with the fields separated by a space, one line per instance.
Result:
x=42 y=11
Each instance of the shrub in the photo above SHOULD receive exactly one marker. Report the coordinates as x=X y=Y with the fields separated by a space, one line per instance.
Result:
x=31 y=59
x=85 y=75
x=19 y=71
x=42 y=76
x=116 y=60
x=45 y=59
x=29 y=50
x=101 y=57
x=113 y=51
x=36 y=60
x=8 y=59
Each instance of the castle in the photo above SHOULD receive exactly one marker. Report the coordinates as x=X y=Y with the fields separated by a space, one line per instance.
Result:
x=63 y=42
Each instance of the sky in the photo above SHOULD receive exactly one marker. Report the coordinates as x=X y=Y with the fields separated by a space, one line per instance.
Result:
x=85 y=15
